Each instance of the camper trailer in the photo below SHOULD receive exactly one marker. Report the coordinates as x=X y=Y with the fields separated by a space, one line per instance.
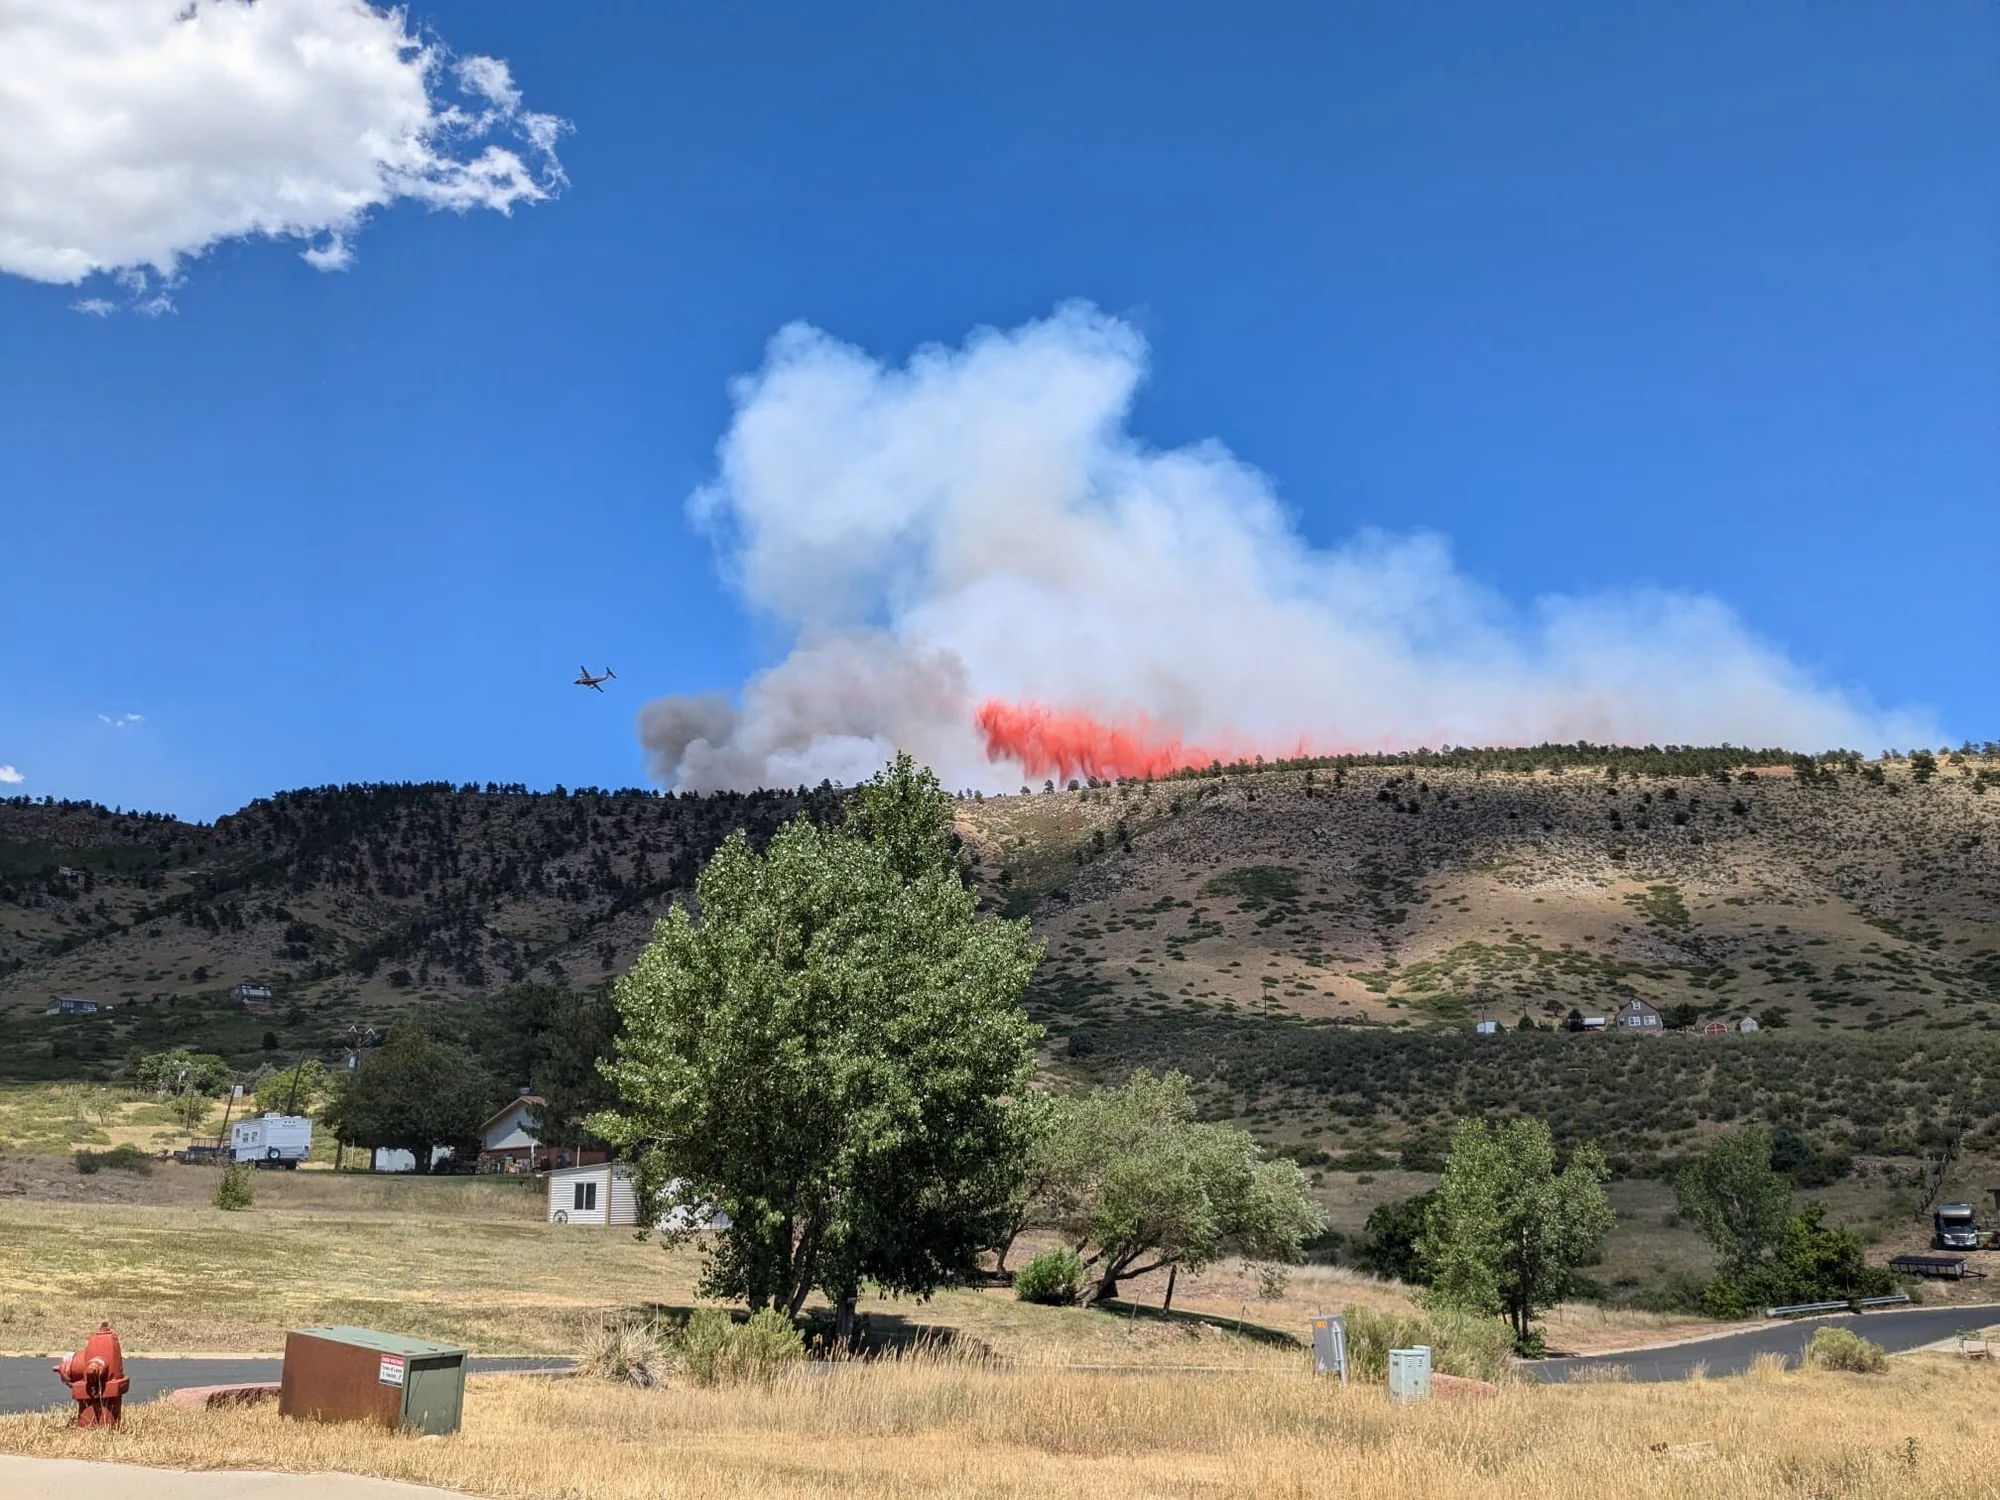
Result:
x=271 y=1140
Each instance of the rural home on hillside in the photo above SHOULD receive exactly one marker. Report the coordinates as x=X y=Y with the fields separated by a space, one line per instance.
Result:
x=1637 y=1015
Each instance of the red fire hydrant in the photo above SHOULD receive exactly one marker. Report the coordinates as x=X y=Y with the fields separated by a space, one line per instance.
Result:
x=95 y=1375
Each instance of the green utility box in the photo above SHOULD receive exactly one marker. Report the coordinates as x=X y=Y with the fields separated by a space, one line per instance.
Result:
x=359 y=1375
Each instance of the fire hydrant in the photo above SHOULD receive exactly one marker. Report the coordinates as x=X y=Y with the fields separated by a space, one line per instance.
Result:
x=96 y=1378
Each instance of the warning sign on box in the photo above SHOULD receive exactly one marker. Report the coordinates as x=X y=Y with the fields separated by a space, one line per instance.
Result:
x=392 y=1369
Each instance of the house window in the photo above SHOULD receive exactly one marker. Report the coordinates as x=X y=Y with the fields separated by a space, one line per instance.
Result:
x=585 y=1198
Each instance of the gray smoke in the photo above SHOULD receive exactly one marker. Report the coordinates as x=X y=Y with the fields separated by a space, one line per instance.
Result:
x=835 y=709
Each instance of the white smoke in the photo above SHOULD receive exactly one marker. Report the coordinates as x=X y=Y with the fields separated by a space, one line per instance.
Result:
x=980 y=523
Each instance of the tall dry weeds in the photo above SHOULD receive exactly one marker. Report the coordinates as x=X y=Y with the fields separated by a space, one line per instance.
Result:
x=929 y=1426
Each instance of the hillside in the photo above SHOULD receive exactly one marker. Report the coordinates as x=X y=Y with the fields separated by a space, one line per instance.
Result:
x=1189 y=920
x=1406 y=895
x=350 y=902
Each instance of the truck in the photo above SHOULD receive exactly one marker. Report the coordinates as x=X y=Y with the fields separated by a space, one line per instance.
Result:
x=271 y=1141
x=1954 y=1228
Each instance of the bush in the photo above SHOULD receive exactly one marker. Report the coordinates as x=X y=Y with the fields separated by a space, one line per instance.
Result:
x=236 y=1189
x=714 y=1349
x=1843 y=1349
x=625 y=1354
x=1460 y=1343
x=118 y=1159
x=1051 y=1278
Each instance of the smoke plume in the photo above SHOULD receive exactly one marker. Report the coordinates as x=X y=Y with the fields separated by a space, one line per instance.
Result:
x=979 y=563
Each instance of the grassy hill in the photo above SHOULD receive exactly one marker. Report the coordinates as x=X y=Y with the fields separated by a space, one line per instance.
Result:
x=1312 y=940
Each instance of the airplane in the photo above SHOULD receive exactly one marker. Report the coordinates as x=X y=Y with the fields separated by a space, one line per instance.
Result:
x=595 y=684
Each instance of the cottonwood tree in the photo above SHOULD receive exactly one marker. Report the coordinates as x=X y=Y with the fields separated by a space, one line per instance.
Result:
x=414 y=1095
x=1507 y=1230
x=828 y=1054
x=1136 y=1182
x=1732 y=1194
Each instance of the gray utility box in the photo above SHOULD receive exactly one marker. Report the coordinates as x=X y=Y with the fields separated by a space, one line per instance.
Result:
x=359 y=1375
x=1410 y=1374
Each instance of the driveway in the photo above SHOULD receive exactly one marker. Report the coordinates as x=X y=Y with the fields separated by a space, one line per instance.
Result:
x=67 y=1478
x=1896 y=1330
x=27 y=1383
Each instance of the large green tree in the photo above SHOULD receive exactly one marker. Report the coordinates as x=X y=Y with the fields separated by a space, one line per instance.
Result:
x=415 y=1094
x=1507 y=1230
x=828 y=1053
x=1731 y=1193
x=1136 y=1182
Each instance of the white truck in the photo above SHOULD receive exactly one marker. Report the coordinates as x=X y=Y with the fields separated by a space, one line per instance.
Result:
x=271 y=1140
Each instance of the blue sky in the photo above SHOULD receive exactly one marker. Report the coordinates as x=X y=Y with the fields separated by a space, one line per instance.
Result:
x=1613 y=298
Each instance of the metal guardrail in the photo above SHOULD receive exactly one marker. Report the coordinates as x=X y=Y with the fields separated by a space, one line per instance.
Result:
x=1846 y=1304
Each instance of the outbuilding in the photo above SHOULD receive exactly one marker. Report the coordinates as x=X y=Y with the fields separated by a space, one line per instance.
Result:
x=605 y=1195
x=593 y=1195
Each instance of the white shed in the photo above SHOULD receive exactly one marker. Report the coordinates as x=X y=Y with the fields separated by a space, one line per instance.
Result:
x=604 y=1195
x=593 y=1195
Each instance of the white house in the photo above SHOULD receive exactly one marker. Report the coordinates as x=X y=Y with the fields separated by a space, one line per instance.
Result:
x=510 y=1134
x=255 y=996
x=1748 y=1023
x=604 y=1195
x=1487 y=1028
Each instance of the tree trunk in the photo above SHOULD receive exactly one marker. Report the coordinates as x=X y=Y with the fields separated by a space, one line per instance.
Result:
x=1173 y=1274
x=1107 y=1287
x=843 y=1322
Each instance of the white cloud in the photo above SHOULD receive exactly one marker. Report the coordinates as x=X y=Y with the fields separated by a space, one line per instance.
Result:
x=122 y=721
x=10 y=777
x=96 y=307
x=980 y=524
x=137 y=133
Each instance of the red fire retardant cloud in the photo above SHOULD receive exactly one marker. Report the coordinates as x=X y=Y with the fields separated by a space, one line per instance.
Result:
x=1064 y=743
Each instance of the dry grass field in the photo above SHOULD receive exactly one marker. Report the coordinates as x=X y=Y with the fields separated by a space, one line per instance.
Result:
x=469 y=1261
x=948 y=1428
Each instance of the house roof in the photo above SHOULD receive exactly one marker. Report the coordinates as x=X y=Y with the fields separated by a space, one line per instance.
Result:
x=508 y=1109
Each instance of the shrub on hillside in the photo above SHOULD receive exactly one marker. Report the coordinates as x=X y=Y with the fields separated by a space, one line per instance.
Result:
x=1051 y=1278
x=236 y=1190
x=118 y=1159
x=1843 y=1349
x=1460 y=1343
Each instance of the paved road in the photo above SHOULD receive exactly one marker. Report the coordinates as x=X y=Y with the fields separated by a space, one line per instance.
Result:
x=27 y=1383
x=1896 y=1330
